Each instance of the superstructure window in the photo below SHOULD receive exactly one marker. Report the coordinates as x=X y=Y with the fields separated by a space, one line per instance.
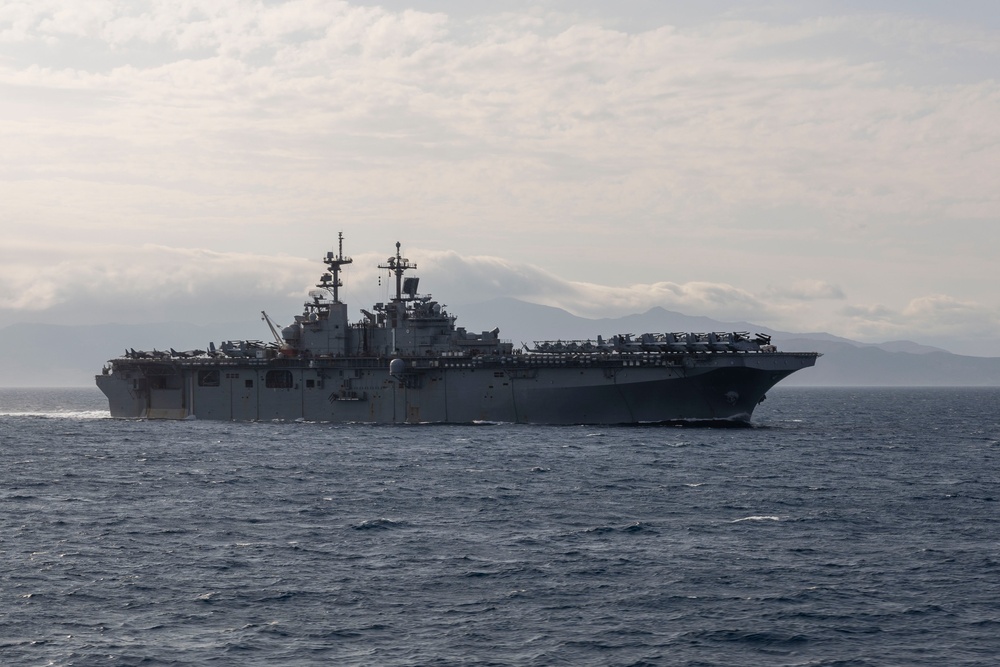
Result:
x=278 y=380
x=208 y=378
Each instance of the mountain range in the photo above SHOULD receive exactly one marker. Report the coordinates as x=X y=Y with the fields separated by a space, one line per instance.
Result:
x=45 y=355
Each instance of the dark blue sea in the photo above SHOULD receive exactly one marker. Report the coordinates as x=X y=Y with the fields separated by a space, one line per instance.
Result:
x=848 y=527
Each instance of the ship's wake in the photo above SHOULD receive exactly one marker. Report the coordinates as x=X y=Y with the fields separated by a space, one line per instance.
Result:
x=68 y=414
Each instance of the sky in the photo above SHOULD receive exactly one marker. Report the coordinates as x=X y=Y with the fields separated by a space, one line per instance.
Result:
x=808 y=166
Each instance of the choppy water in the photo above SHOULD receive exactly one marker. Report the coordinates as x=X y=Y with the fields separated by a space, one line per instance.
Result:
x=849 y=527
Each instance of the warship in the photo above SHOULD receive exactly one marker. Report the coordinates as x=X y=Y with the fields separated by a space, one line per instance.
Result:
x=406 y=361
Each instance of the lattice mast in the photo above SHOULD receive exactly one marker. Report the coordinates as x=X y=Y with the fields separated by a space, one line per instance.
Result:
x=333 y=282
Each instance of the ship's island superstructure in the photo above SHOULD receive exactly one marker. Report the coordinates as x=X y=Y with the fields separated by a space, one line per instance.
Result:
x=405 y=361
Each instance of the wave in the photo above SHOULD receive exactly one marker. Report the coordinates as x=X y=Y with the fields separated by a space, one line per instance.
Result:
x=378 y=524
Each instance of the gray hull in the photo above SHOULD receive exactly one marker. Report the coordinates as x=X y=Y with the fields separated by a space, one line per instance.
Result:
x=595 y=389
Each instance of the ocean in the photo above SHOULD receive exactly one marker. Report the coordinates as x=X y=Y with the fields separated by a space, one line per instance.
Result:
x=847 y=527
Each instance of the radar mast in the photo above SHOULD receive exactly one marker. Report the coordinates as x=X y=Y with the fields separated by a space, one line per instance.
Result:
x=397 y=265
x=333 y=282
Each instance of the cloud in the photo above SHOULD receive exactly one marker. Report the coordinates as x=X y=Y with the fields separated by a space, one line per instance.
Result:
x=478 y=278
x=156 y=282
x=730 y=152
x=142 y=284
x=934 y=316
x=808 y=290
x=937 y=308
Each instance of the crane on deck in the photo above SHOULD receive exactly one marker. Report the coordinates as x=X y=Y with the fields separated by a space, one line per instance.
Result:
x=274 y=329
